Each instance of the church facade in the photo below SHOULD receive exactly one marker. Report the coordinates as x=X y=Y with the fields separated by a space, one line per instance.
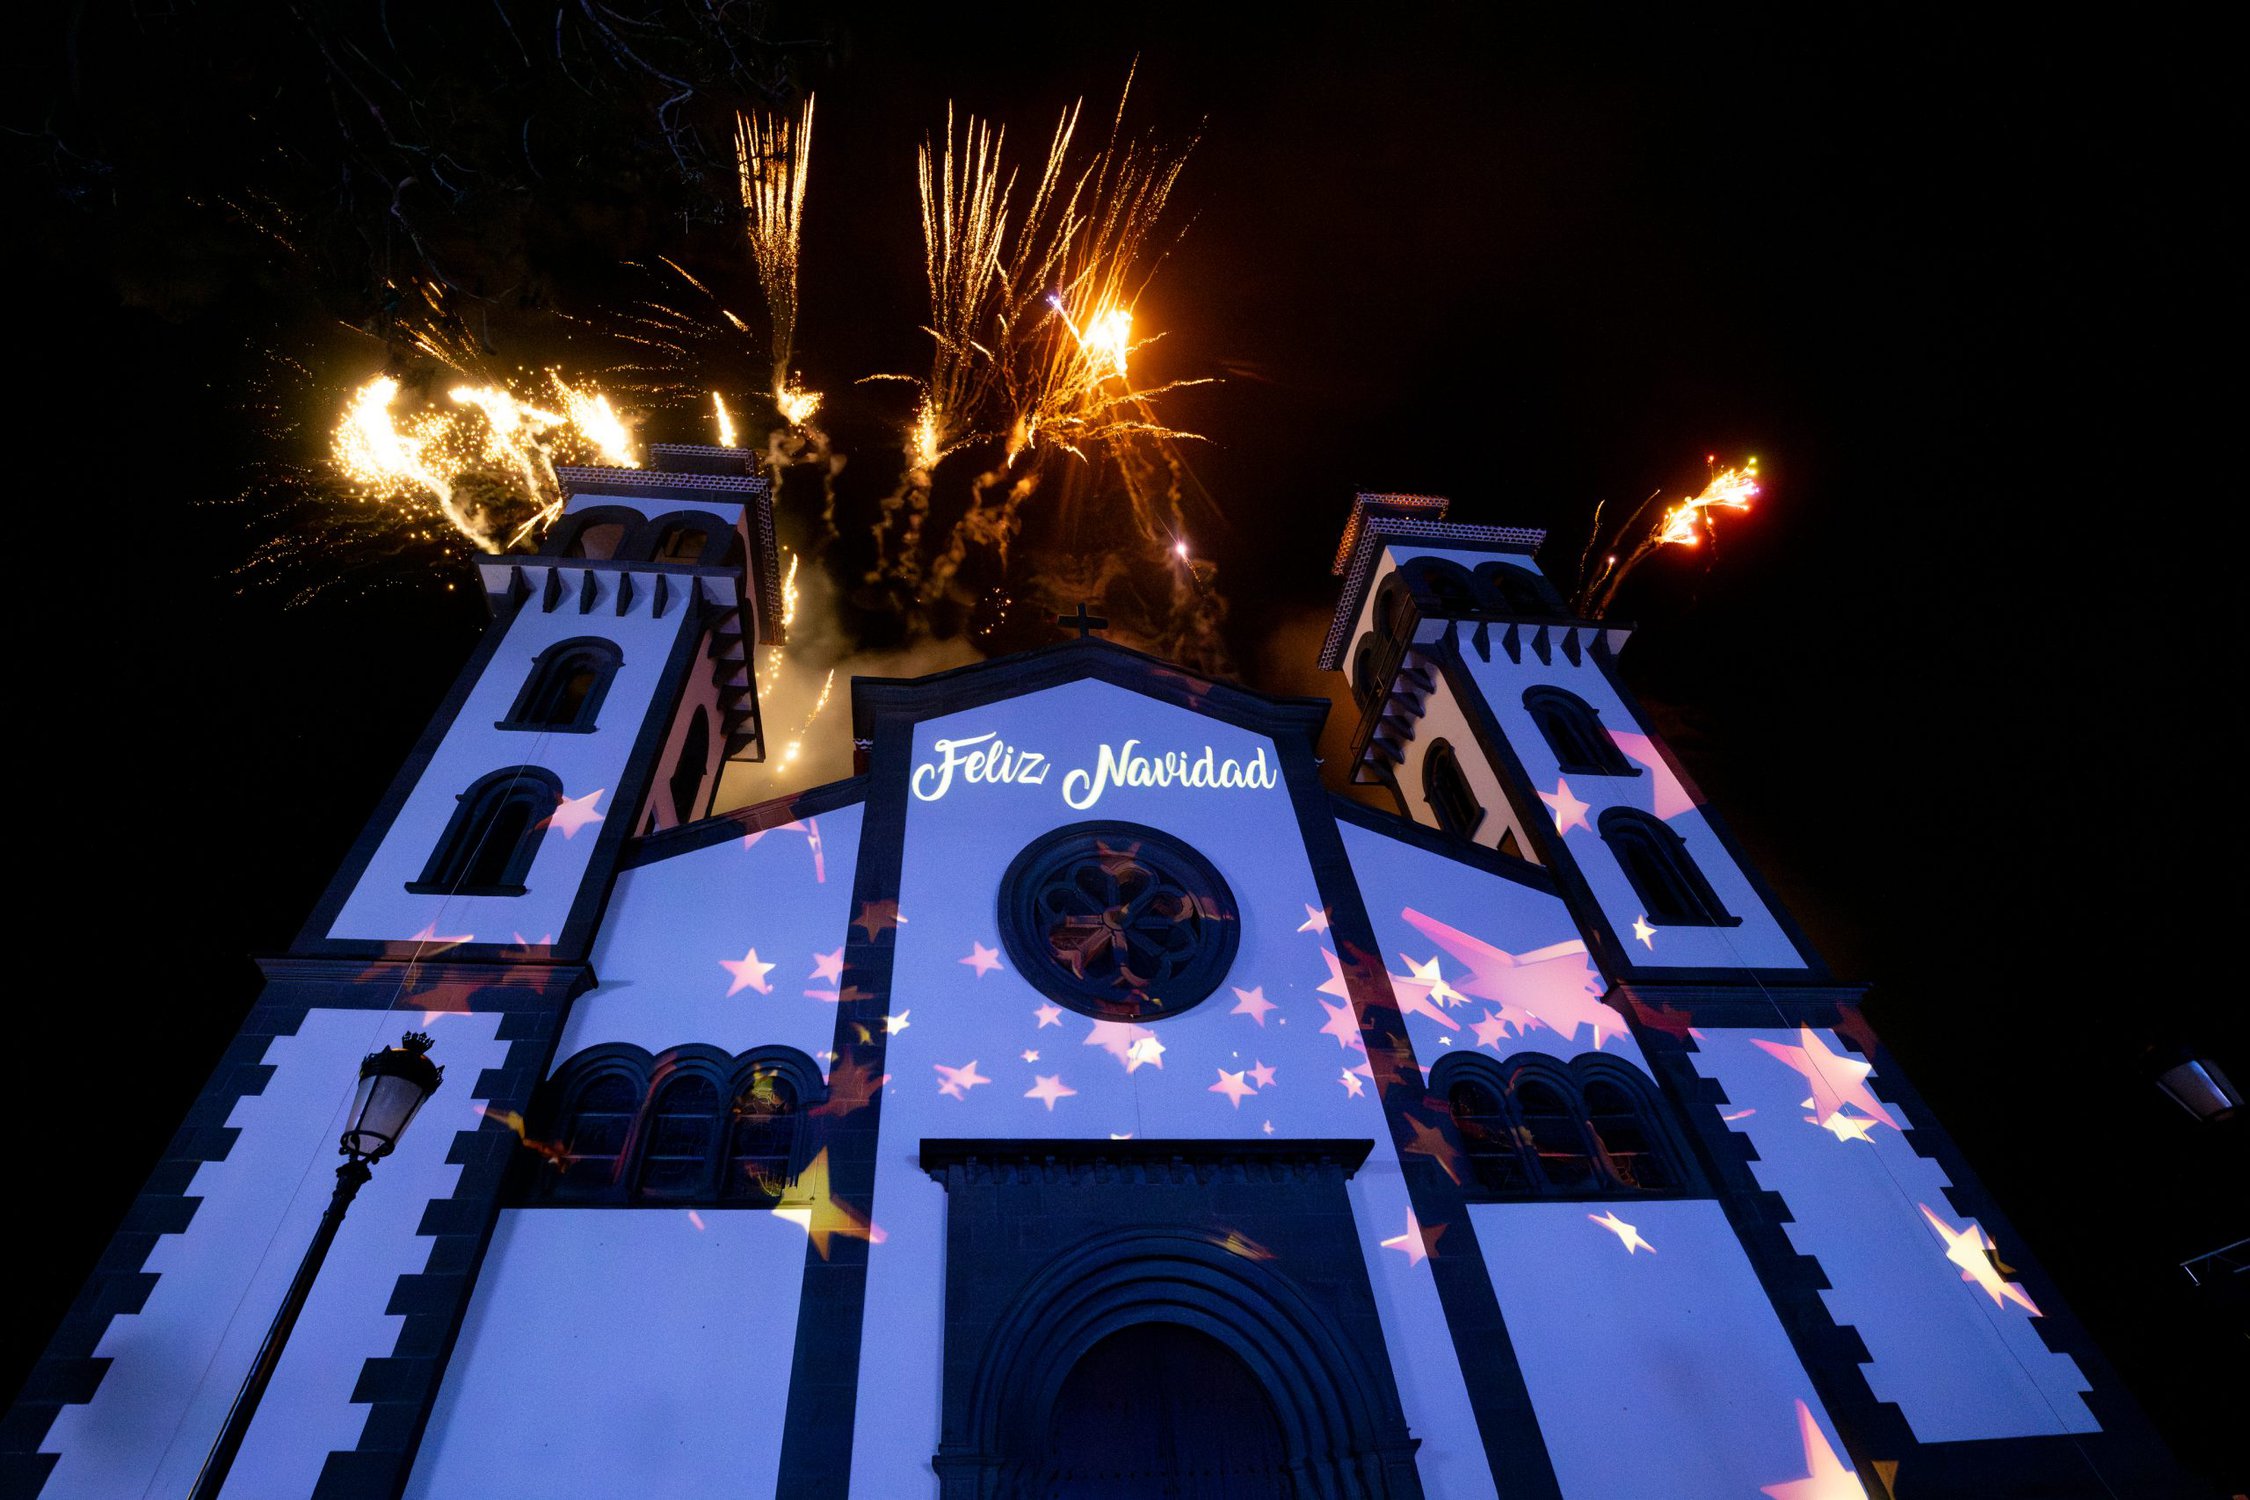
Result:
x=1081 y=1100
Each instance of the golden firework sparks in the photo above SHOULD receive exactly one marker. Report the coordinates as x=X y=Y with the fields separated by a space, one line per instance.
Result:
x=773 y=159
x=1685 y=523
x=726 y=421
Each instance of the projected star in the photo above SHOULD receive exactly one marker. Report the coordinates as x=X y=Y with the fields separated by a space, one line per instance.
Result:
x=1431 y=1142
x=1826 y=1478
x=1146 y=1050
x=1554 y=986
x=1626 y=1234
x=1431 y=978
x=1568 y=810
x=1670 y=1019
x=1836 y=1080
x=1415 y=993
x=825 y=1216
x=1671 y=794
x=1644 y=932
x=956 y=1082
x=1049 y=1015
x=1254 y=1004
x=893 y=1025
x=1262 y=1075
x=877 y=918
x=749 y=974
x=429 y=939
x=1048 y=1089
x=982 y=959
x=574 y=813
x=1966 y=1248
x=1352 y=1085
x=1316 y=919
x=1231 y=1085
x=828 y=966
x=1491 y=1031
x=1130 y=1045
x=1417 y=1244
x=1844 y=1127
x=1030 y=1056
x=851 y=1086
x=1343 y=1026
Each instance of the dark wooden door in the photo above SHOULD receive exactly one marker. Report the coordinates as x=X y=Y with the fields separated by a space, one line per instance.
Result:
x=1160 y=1411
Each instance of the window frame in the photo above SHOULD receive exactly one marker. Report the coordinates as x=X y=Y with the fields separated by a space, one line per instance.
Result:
x=1499 y=1079
x=445 y=872
x=1621 y=828
x=1442 y=755
x=553 y=660
x=1546 y=703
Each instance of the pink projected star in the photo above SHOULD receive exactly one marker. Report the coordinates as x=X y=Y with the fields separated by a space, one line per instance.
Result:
x=1492 y=1030
x=1336 y=984
x=956 y=1082
x=1231 y=1085
x=1826 y=1478
x=1672 y=795
x=1316 y=919
x=750 y=839
x=1836 y=1080
x=1415 y=992
x=1145 y=1050
x=1049 y=1015
x=1030 y=1056
x=1844 y=1127
x=1352 y=1085
x=982 y=959
x=1048 y=1089
x=574 y=813
x=1254 y=1004
x=1568 y=810
x=1417 y=1244
x=1626 y=1234
x=828 y=966
x=1130 y=1045
x=1343 y=1026
x=1262 y=1074
x=1555 y=987
x=1644 y=932
x=1966 y=1248
x=749 y=974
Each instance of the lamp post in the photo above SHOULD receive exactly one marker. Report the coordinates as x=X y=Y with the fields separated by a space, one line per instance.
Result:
x=2194 y=1083
x=393 y=1085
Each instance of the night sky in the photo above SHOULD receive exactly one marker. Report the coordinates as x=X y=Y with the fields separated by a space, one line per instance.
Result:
x=1959 y=684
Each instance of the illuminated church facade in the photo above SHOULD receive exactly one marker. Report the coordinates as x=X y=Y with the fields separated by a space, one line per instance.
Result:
x=1081 y=1100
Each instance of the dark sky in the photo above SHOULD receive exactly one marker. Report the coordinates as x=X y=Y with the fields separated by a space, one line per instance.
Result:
x=1959 y=683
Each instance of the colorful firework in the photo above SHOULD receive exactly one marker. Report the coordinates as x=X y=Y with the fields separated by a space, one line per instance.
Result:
x=1685 y=523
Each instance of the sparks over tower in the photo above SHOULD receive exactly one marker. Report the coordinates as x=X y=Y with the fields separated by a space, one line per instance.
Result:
x=1081 y=1100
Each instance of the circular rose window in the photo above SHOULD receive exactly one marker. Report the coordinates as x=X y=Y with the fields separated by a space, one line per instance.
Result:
x=1118 y=921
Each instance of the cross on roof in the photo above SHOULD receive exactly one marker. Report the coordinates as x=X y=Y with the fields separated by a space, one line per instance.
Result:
x=1085 y=623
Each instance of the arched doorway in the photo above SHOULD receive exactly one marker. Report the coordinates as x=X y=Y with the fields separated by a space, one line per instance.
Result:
x=1161 y=1411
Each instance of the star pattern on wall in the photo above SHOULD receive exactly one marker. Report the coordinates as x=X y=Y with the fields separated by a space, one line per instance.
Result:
x=877 y=917
x=828 y=967
x=748 y=972
x=1971 y=1249
x=1568 y=810
x=955 y=1083
x=1133 y=1046
x=826 y=1215
x=1352 y=1086
x=1232 y=1085
x=982 y=959
x=1262 y=1075
x=1316 y=919
x=1419 y=1242
x=1826 y=1478
x=1644 y=932
x=1555 y=987
x=574 y=813
x=1626 y=1234
x=1048 y=1089
x=1254 y=1004
x=1335 y=984
x=1049 y=1015
x=1836 y=1079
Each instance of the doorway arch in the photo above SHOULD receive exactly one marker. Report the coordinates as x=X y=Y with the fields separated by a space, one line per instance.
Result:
x=1340 y=1432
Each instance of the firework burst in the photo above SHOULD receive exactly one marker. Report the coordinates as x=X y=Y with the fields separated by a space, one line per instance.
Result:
x=1684 y=523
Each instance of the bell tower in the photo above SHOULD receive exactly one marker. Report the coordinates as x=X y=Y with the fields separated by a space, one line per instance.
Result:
x=615 y=682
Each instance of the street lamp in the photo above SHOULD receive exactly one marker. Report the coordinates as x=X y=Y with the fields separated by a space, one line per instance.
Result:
x=2194 y=1083
x=393 y=1085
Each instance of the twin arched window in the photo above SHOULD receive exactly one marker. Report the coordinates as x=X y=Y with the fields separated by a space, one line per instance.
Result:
x=566 y=686
x=1573 y=730
x=686 y=1127
x=493 y=836
x=1536 y=1127
x=1672 y=891
x=1445 y=785
x=1518 y=591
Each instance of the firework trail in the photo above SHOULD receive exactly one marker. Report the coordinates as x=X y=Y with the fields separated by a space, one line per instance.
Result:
x=1685 y=523
x=774 y=161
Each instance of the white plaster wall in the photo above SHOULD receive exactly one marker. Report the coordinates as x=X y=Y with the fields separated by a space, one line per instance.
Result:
x=1958 y=1365
x=956 y=851
x=1443 y=719
x=1759 y=942
x=620 y=1353
x=784 y=894
x=382 y=909
x=177 y=1364
x=1657 y=1373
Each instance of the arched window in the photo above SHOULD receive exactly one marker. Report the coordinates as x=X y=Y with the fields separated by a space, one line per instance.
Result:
x=598 y=541
x=1446 y=786
x=1446 y=584
x=688 y=1127
x=1367 y=685
x=1393 y=615
x=596 y=1129
x=1536 y=1127
x=762 y=1156
x=494 y=835
x=1573 y=730
x=1517 y=591
x=565 y=688
x=682 y=1135
x=682 y=542
x=687 y=772
x=1489 y=1136
x=1672 y=891
x=1622 y=1137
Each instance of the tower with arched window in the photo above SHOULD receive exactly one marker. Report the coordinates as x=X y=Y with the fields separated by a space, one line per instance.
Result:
x=1080 y=1099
